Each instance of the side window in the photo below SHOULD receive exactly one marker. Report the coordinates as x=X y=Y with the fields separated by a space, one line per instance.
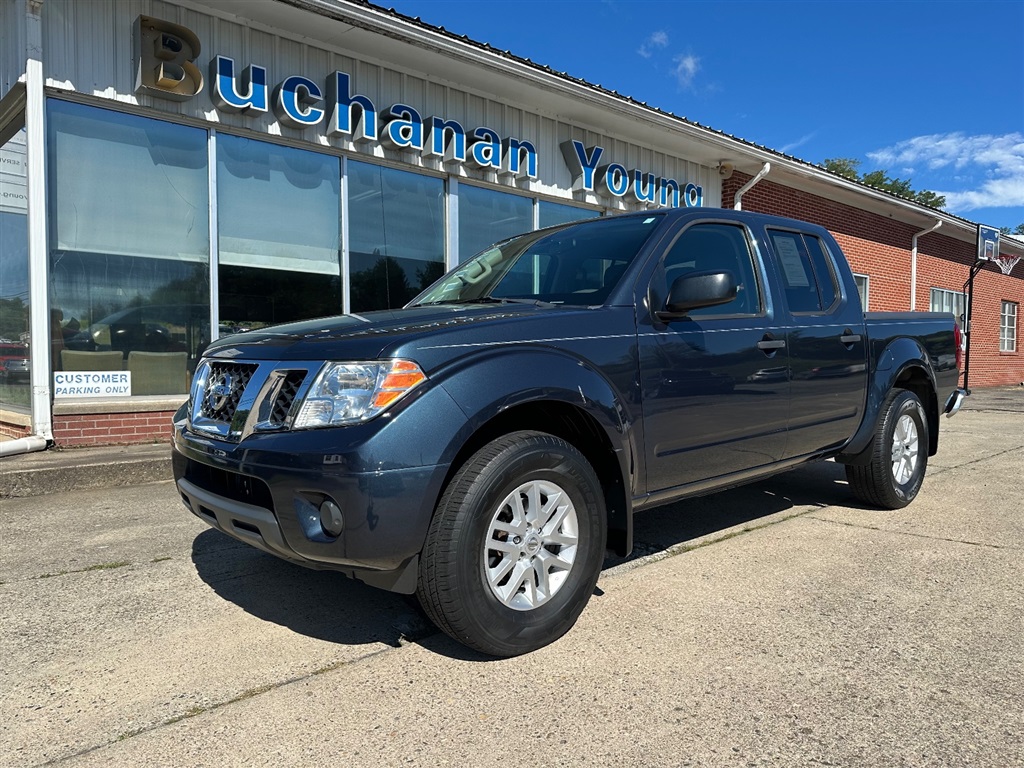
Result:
x=828 y=287
x=710 y=247
x=807 y=272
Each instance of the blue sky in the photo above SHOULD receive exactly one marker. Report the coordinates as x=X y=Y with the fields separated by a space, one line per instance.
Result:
x=930 y=90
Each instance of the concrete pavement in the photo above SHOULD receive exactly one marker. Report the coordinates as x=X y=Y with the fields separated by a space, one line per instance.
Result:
x=777 y=624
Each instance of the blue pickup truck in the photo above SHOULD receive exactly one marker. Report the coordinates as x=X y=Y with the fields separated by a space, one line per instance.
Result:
x=486 y=445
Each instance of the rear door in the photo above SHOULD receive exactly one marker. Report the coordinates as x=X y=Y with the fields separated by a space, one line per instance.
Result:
x=827 y=343
x=714 y=384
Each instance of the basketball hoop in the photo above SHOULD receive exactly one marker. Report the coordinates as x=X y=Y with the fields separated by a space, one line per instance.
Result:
x=1006 y=263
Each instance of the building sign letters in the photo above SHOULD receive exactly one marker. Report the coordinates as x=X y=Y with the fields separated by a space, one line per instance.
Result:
x=68 y=384
x=165 y=56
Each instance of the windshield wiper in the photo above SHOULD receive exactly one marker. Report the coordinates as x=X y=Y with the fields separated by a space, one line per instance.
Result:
x=487 y=300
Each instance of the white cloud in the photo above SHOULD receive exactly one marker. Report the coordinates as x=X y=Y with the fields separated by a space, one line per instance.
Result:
x=997 y=162
x=786 y=149
x=657 y=39
x=994 y=193
x=686 y=68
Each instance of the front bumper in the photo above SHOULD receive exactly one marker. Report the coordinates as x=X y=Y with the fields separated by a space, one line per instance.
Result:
x=385 y=476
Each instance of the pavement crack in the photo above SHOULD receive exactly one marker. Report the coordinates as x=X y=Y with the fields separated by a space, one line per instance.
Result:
x=705 y=541
x=909 y=533
x=249 y=693
x=96 y=567
x=942 y=470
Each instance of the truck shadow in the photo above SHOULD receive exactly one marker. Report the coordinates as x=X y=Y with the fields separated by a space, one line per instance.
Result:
x=331 y=607
x=814 y=485
x=320 y=604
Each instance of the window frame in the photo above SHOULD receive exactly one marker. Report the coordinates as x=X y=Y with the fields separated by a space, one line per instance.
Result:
x=756 y=263
x=865 y=298
x=954 y=296
x=1008 y=327
x=830 y=262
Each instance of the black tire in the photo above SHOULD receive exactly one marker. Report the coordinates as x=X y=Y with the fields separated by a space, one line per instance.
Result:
x=894 y=475
x=457 y=566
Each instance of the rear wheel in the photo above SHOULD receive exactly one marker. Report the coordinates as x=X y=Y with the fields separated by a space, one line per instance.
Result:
x=899 y=455
x=515 y=546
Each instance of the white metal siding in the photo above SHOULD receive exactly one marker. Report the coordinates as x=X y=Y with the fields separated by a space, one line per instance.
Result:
x=12 y=43
x=96 y=59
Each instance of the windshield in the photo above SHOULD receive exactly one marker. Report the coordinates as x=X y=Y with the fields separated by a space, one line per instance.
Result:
x=577 y=264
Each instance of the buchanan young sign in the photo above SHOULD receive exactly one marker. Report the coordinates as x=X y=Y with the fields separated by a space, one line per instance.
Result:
x=165 y=67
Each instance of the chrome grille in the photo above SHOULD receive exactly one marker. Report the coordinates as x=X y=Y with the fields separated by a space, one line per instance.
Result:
x=286 y=396
x=225 y=386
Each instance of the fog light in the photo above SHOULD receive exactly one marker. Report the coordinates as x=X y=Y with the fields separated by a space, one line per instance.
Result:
x=330 y=519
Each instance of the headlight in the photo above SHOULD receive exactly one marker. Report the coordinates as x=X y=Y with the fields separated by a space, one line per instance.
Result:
x=349 y=393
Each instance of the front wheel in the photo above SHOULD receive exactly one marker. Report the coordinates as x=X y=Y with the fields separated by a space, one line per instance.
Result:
x=516 y=545
x=899 y=455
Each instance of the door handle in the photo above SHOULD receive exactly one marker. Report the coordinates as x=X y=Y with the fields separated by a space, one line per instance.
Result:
x=769 y=343
x=849 y=337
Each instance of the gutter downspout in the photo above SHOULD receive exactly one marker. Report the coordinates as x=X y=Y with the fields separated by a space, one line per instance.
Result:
x=23 y=445
x=38 y=264
x=738 y=197
x=913 y=263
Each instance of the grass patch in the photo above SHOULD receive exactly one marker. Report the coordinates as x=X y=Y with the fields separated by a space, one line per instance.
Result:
x=97 y=567
x=107 y=566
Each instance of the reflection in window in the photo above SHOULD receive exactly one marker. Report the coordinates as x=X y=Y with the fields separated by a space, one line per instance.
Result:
x=712 y=248
x=14 y=295
x=396 y=235
x=551 y=214
x=487 y=217
x=279 y=234
x=129 y=231
x=807 y=272
x=574 y=265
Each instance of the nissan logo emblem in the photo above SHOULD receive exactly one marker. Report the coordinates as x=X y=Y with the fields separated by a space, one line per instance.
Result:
x=219 y=391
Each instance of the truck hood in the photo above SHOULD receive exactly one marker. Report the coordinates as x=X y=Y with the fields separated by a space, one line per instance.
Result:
x=385 y=333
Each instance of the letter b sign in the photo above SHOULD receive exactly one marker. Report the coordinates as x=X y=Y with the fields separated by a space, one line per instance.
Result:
x=165 y=56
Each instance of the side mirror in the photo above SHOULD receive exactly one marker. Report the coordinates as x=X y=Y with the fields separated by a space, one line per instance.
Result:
x=703 y=289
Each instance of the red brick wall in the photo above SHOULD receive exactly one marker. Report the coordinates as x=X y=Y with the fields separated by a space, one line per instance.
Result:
x=112 y=428
x=14 y=430
x=880 y=248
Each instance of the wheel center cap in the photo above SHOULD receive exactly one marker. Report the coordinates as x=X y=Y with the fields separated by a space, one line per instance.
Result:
x=532 y=545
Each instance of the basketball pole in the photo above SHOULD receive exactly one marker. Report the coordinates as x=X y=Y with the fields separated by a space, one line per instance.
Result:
x=969 y=285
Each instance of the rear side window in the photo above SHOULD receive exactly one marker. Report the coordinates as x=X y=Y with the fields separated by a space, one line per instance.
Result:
x=712 y=247
x=807 y=272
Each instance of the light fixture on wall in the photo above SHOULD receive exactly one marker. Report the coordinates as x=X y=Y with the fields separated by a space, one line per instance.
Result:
x=725 y=169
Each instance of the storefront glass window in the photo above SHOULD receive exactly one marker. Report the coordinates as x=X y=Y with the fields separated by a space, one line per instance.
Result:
x=485 y=217
x=278 y=219
x=551 y=214
x=396 y=235
x=129 y=258
x=14 y=295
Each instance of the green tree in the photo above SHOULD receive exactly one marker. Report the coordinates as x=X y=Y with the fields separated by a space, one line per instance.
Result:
x=849 y=168
x=1018 y=230
x=932 y=200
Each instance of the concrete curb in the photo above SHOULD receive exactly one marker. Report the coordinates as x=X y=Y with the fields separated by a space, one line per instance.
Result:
x=59 y=471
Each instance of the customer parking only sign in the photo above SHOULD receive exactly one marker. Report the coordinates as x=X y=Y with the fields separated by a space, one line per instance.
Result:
x=71 y=384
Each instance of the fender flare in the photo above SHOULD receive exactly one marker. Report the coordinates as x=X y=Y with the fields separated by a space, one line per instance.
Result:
x=901 y=355
x=493 y=381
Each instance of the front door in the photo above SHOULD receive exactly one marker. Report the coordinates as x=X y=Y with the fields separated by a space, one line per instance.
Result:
x=715 y=383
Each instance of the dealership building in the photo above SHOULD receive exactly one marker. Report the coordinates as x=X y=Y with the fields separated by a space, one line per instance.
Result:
x=172 y=172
